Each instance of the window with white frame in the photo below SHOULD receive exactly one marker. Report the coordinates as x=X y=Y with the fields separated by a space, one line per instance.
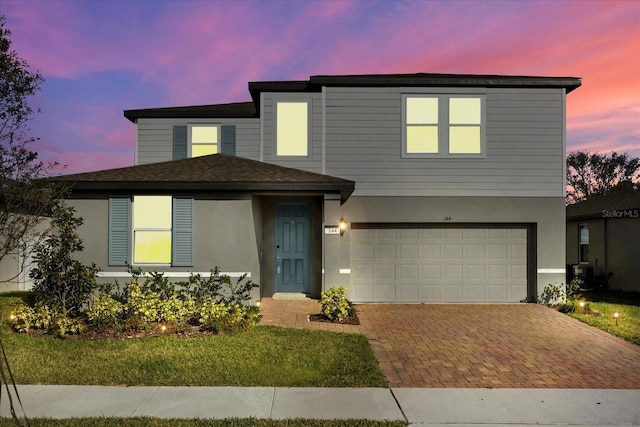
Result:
x=292 y=128
x=152 y=229
x=583 y=243
x=204 y=139
x=443 y=125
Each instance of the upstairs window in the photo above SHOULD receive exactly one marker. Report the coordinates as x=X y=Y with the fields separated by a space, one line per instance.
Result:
x=292 y=128
x=583 y=243
x=443 y=125
x=152 y=229
x=204 y=140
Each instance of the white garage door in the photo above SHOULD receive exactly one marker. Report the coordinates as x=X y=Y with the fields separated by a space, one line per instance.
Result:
x=397 y=263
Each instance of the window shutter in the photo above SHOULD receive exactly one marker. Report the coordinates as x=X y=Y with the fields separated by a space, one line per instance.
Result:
x=119 y=230
x=182 y=232
x=179 y=142
x=228 y=138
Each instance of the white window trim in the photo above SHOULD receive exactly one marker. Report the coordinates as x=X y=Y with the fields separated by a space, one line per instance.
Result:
x=134 y=229
x=275 y=126
x=580 y=244
x=443 y=127
x=190 y=142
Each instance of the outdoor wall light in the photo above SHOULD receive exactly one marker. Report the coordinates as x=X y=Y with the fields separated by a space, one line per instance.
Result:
x=615 y=316
x=343 y=226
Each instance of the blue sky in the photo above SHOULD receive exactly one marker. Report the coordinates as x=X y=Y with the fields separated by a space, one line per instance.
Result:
x=102 y=57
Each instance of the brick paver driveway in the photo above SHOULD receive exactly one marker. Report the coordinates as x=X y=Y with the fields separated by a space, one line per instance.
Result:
x=461 y=345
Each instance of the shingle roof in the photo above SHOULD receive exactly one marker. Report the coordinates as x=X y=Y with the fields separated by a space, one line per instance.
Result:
x=222 y=111
x=216 y=172
x=625 y=196
x=315 y=84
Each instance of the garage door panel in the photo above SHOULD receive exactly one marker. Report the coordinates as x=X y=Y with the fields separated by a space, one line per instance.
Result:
x=431 y=252
x=386 y=292
x=408 y=292
x=518 y=273
x=453 y=233
x=408 y=272
x=475 y=251
x=497 y=272
x=474 y=293
x=386 y=272
x=475 y=233
x=453 y=251
x=439 y=263
x=497 y=292
x=497 y=252
x=385 y=252
x=409 y=251
x=452 y=292
x=452 y=272
x=362 y=272
x=431 y=272
x=475 y=272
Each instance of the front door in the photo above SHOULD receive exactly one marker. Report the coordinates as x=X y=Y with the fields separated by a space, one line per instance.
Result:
x=292 y=247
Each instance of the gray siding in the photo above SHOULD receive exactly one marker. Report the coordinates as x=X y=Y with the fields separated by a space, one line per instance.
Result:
x=524 y=155
x=313 y=162
x=155 y=137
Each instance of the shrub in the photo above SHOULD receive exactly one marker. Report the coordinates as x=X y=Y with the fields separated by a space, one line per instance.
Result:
x=22 y=318
x=61 y=281
x=175 y=309
x=220 y=317
x=553 y=294
x=141 y=307
x=42 y=317
x=335 y=305
x=105 y=311
x=66 y=325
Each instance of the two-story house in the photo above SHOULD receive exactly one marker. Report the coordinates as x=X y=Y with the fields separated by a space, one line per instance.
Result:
x=404 y=188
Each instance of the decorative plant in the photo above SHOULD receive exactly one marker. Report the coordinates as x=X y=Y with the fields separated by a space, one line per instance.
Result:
x=335 y=304
x=61 y=281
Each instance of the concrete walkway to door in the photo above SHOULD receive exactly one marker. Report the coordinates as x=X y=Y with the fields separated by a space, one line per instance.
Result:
x=479 y=345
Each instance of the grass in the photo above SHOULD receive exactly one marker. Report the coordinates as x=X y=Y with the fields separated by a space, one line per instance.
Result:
x=196 y=422
x=264 y=356
x=625 y=303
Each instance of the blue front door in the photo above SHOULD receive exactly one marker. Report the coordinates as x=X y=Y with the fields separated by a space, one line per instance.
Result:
x=292 y=247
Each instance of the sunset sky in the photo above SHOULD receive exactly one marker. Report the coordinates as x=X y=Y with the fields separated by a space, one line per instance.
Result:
x=102 y=57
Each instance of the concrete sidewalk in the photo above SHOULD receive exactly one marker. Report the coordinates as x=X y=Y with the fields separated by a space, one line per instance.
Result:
x=420 y=407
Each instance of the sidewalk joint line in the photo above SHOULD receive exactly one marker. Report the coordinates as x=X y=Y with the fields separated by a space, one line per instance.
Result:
x=398 y=403
x=134 y=413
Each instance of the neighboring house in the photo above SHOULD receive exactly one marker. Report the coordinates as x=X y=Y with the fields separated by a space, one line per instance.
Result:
x=603 y=234
x=448 y=188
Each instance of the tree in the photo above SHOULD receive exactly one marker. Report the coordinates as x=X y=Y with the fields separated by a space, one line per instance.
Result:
x=26 y=197
x=63 y=282
x=591 y=174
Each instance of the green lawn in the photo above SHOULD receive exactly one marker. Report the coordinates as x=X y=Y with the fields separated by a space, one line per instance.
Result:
x=265 y=356
x=229 y=422
x=627 y=304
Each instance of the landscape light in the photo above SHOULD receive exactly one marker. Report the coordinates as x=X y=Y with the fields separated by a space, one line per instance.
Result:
x=257 y=303
x=581 y=304
x=163 y=328
x=12 y=317
x=615 y=316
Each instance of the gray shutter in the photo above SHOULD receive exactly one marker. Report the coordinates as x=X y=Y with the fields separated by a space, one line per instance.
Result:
x=180 y=142
x=228 y=137
x=119 y=230
x=182 y=232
